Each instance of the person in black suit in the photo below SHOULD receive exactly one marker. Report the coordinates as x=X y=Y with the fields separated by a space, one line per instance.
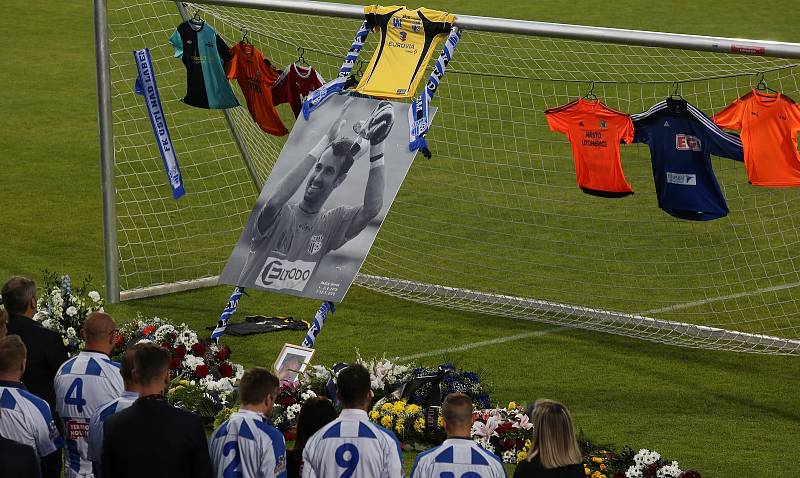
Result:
x=46 y=353
x=152 y=438
x=19 y=461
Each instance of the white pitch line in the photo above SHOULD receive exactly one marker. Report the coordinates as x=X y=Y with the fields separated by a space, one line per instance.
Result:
x=474 y=345
x=695 y=303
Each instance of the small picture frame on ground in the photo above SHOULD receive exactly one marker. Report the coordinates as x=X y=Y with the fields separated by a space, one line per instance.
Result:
x=292 y=361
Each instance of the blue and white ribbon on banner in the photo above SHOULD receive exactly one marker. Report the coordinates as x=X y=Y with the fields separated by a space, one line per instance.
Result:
x=318 y=96
x=230 y=309
x=418 y=118
x=319 y=321
x=146 y=86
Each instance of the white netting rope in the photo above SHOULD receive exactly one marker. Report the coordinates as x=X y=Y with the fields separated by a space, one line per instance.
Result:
x=496 y=214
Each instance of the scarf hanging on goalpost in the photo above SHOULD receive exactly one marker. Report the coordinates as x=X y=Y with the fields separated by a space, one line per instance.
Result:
x=418 y=119
x=146 y=86
x=319 y=321
x=318 y=96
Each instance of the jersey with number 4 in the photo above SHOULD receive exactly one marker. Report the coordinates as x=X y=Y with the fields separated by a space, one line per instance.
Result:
x=352 y=447
x=457 y=458
x=246 y=446
x=83 y=383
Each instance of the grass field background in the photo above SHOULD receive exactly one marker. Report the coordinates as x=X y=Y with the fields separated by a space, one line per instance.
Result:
x=724 y=414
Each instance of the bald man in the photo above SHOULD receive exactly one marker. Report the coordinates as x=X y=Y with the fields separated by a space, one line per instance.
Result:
x=84 y=383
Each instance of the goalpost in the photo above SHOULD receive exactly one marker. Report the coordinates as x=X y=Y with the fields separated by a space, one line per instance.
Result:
x=494 y=222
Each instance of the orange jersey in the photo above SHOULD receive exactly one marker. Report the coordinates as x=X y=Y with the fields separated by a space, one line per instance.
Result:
x=594 y=130
x=255 y=79
x=769 y=125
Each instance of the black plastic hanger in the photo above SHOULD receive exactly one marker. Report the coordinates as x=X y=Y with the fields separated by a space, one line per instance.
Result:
x=590 y=95
x=246 y=37
x=762 y=86
x=676 y=92
x=302 y=59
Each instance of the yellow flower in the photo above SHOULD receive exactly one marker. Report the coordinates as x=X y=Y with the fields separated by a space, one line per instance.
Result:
x=412 y=409
x=399 y=428
x=386 y=406
x=521 y=456
x=528 y=445
x=586 y=470
x=183 y=382
x=597 y=459
x=512 y=405
x=386 y=421
x=373 y=415
x=602 y=467
x=440 y=422
x=399 y=407
x=419 y=425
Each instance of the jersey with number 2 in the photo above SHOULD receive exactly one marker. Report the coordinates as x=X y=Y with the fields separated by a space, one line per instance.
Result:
x=84 y=383
x=352 y=447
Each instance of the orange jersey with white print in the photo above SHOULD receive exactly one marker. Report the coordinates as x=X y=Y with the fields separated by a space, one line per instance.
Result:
x=769 y=125
x=594 y=130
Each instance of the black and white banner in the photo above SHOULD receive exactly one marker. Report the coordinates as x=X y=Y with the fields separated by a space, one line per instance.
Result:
x=146 y=86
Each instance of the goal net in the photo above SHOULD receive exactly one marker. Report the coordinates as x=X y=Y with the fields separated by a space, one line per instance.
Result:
x=495 y=222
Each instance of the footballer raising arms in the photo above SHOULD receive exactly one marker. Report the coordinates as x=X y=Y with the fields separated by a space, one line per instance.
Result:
x=288 y=236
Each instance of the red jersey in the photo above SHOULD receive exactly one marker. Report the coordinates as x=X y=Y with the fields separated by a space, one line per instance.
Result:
x=594 y=130
x=294 y=84
x=769 y=125
x=254 y=78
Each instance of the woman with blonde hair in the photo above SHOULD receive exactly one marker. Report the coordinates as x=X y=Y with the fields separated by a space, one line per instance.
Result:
x=554 y=451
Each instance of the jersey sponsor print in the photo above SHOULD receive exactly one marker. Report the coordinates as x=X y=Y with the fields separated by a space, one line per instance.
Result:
x=681 y=140
x=769 y=125
x=83 y=384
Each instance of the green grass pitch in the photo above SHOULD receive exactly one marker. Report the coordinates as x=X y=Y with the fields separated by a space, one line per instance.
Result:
x=724 y=414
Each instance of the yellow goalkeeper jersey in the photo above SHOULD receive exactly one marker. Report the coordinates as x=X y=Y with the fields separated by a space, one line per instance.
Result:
x=408 y=39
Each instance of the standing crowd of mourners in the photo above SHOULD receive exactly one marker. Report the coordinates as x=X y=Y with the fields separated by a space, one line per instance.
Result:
x=94 y=417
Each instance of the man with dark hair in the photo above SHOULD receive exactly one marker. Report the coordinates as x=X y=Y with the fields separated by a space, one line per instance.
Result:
x=84 y=383
x=458 y=455
x=260 y=451
x=287 y=236
x=24 y=417
x=46 y=352
x=129 y=395
x=3 y=322
x=151 y=437
x=352 y=445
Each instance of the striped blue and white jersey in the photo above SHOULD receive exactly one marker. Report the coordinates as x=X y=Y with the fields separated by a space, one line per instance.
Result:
x=99 y=417
x=83 y=384
x=26 y=418
x=457 y=458
x=246 y=446
x=352 y=447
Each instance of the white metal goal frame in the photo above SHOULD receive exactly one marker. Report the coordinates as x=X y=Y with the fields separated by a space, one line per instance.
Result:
x=432 y=293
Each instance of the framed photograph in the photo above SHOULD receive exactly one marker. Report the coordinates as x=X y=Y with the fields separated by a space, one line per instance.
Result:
x=314 y=222
x=292 y=361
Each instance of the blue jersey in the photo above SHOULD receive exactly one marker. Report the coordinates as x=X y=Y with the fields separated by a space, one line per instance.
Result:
x=83 y=384
x=99 y=417
x=458 y=457
x=246 y=446
x=681 y=139
x=26 y=418
x=352 y=447
x=203 y=54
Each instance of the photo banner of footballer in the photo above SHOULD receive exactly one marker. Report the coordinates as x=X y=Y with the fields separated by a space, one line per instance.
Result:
x=325 y=200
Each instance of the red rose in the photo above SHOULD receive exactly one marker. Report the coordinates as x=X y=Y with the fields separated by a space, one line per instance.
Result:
x=166 y=345
x=289 y=435
x=148 y=330
x=650 y=470
x=286 y=401
x=174 y=363
x=505 y=427
x=180 y=351
x=226 y=370
x=199 y=349
x=119 y=340
x=619 y=474
x=506 y=444
x=201 y=371
x=223 y=353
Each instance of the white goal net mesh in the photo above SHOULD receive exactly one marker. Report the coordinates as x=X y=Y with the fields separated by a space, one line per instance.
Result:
x=495 y=221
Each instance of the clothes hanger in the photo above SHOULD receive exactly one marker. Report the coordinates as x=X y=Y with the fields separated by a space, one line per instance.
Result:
x=676 y=93
x=246 y=37
x=762 y=86
x=590 y=95
x=196 y=17
x=302 y=59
